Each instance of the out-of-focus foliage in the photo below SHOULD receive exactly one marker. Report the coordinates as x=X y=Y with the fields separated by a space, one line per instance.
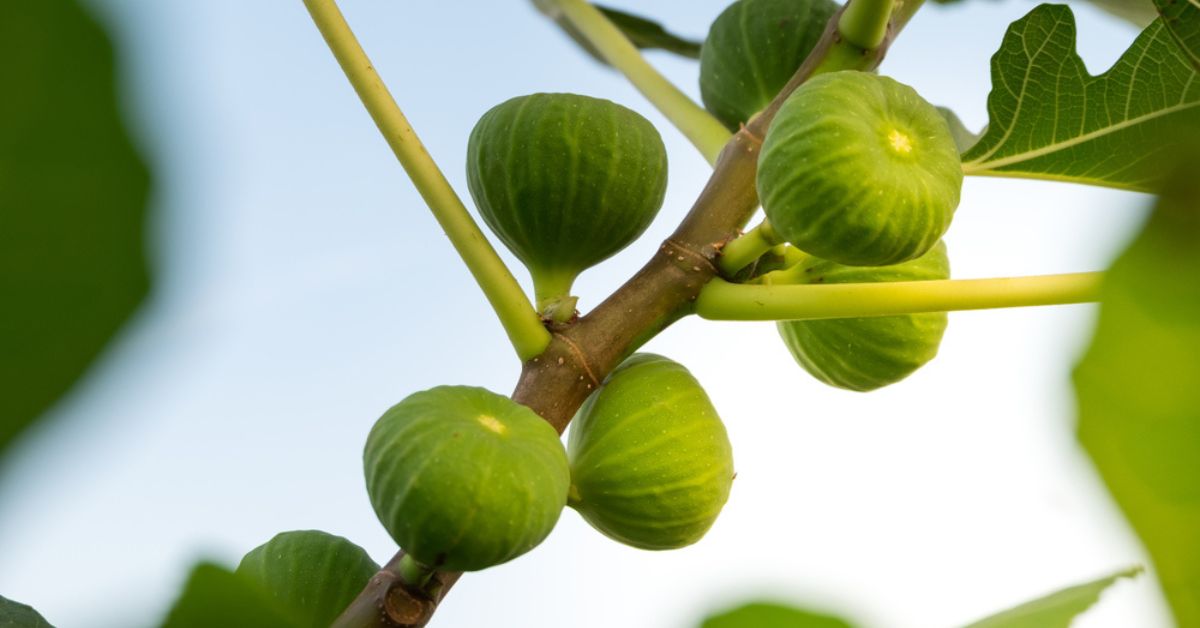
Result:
x=1057 y=610
x=18 y=615
x=1138 y=388
x=73 y=194
x=215 y=596
x=771 y=615
x=1050 y=119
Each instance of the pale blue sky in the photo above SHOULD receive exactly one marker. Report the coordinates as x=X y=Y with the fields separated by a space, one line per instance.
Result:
x=303 y=288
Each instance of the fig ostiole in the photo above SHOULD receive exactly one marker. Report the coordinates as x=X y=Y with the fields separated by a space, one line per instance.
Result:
x=651 y=463
x=314 y=575
x=463 y=478
x=864 y=354
x=860 y=170
x=752 y=49
x=565 y=181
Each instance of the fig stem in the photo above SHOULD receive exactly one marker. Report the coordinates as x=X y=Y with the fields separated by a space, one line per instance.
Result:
x=864 y=23
x=704 y=131
x=743 y=250
x=721 y=300
x=520 y=321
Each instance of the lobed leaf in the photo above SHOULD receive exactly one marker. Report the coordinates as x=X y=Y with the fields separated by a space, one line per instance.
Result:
x=1182 y=18
x=1138 y=397
x=1050 y=119
x=1057 y=610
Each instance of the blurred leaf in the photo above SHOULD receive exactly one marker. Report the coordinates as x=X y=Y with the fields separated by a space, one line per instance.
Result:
x=18 y=615
x=1057 y=610
x=1051 y=120
x=1140 y=13
x=1138 y=389
x=215 y=596
x=964 y=138
x=642 y=32
x=771 y=615
x=648 y=34
x=1182 y=18
x=72 y=205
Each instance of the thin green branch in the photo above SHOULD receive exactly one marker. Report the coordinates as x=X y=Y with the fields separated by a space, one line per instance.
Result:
x=699 y=126
x=743 y=250
x=721 y=300
x=529 y=337
x=864 y=23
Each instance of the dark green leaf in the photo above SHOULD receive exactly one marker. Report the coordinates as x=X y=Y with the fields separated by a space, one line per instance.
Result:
x=18 y=615
x=1057 y=610
x=643 y=33
x=648 y=34
x=1051 y=120
x=771 y=615
x=1182 y=18
x=1138 y=389
x=215 y=596
x=72 y=205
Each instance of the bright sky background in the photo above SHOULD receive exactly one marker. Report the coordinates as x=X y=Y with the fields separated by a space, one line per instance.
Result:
x=303 y=288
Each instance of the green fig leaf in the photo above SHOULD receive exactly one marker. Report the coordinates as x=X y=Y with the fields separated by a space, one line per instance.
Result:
x=313 y=573
x=1138 y=399
x=73 y=194
x=645 y=34
x=18 y=615
x=1057 y=610
x=1051 y=120
x=215 y=596
x=771 y=615
x=1182 y=18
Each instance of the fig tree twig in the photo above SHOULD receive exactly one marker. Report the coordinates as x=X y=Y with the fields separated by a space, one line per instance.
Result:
x=721 y=300
x=512 y=306
x=555 y=383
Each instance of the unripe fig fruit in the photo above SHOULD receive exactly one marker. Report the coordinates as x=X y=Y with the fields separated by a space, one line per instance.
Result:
x=864 y=354
x=565 y=181
x=752 y=49
x=463 y=478
x=858 y=169
x=651 y=464
x=313 y=574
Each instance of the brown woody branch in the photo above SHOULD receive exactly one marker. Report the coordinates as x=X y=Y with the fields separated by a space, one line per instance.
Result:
x=556 y=383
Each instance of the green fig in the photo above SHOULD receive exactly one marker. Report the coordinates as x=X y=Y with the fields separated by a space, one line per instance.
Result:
x=858 y=169
x=463 y=478
x=565 y=181
x=753 y=48
x=651 y=463
x=864 y=354
x=313 y=574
